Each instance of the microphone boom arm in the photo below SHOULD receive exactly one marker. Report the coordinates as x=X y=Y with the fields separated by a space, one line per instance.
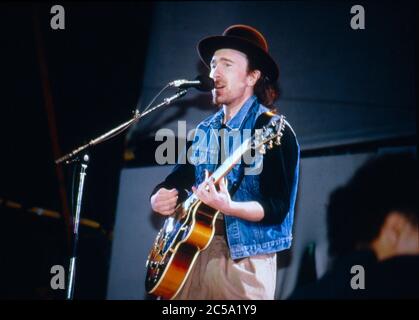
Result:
x=119 y=128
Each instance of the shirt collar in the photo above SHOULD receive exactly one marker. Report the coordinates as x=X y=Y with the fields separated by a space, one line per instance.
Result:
x=237 y=120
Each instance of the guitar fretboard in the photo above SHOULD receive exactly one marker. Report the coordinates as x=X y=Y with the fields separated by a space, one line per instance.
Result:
x=226 y=166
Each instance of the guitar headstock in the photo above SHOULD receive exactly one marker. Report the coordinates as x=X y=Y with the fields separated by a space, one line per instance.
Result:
x=270 y=135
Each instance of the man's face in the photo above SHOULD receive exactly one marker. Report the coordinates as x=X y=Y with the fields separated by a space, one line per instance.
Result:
x=232 y=82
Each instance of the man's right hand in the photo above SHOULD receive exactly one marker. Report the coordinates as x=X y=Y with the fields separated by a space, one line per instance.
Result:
x=164 y=201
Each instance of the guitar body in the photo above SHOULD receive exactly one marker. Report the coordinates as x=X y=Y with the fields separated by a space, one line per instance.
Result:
x=177 y=245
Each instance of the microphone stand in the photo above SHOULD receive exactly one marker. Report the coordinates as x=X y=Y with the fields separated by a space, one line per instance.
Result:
x=73 y=156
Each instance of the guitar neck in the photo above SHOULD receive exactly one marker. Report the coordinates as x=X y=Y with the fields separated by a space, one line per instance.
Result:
x=227 y=165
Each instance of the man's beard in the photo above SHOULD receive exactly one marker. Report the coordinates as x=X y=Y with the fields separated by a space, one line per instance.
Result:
x=215 y=103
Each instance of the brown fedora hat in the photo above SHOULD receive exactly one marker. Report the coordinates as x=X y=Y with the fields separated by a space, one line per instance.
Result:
x=245 y=39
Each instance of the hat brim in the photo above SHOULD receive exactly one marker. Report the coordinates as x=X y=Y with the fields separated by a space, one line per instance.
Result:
x=207 y=46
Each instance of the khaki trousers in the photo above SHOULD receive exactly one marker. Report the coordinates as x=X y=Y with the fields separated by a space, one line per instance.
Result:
x=215 y=276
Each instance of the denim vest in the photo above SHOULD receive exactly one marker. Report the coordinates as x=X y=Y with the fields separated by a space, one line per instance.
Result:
x=245 y=238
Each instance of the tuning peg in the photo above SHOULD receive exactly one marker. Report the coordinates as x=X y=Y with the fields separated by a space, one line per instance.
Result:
x=262 y=149
x=271 y=144
x=278 y=140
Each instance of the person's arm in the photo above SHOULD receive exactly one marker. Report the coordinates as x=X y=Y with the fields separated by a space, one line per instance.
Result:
x=221 y=200
x=276 y=181
x=174 y=189
x=181 y=178
x=277 y=178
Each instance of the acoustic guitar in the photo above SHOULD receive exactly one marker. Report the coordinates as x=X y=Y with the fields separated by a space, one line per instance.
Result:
x=190 y=229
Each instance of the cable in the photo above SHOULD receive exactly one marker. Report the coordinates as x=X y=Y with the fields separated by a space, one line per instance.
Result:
x=158 y=94
x=140 y=113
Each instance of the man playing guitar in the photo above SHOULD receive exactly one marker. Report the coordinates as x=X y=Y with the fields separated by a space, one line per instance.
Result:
x=256 y=201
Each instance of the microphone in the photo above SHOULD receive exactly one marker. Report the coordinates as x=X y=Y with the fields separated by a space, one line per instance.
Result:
x=202 y=83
